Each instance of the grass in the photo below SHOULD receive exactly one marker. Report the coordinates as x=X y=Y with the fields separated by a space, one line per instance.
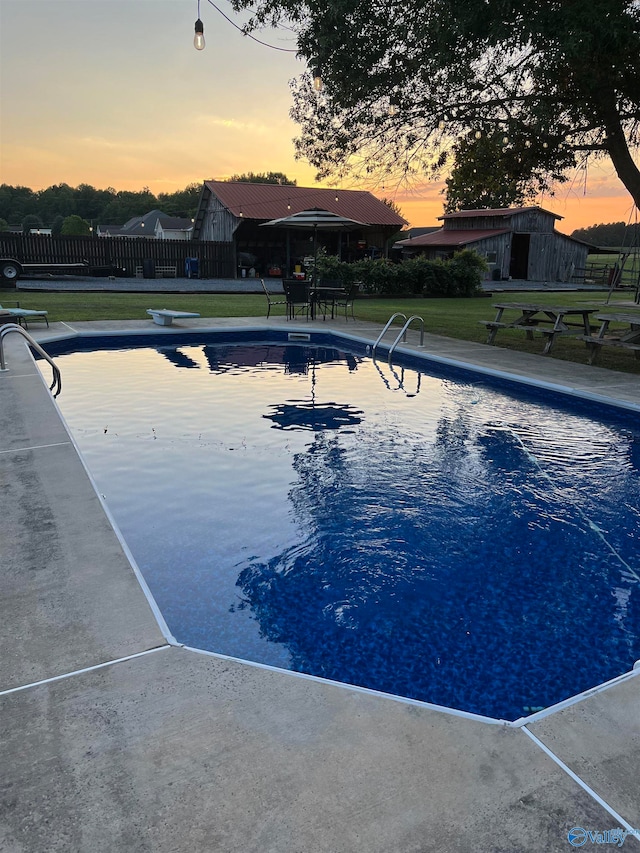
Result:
x=454 y=318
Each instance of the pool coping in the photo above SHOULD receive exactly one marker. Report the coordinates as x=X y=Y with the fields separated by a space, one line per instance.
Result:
x=464 y=355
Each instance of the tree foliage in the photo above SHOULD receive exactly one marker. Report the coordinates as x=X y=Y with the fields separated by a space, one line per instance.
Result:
x=31 y=222
x=489 y=173
x=406 y=80
x=611 y=234
x=264 y=178
x=75 y=226
x=106 y=207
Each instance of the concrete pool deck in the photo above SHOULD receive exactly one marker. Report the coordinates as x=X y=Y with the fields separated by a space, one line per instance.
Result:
x=115 y=740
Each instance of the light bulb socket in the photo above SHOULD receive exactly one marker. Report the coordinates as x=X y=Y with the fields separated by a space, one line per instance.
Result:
x=198 y=39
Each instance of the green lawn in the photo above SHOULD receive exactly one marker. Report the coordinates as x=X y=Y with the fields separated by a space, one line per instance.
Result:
x=455 y=318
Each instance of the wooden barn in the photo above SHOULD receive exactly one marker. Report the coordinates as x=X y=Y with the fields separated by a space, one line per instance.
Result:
x=517 y=243
x=233 y=212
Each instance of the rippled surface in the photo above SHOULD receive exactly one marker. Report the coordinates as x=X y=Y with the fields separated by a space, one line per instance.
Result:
x=442 y=540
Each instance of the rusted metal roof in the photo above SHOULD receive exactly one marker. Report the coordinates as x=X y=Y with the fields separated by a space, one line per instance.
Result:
x=496 y=211
x=272 y=201
x=450 y=237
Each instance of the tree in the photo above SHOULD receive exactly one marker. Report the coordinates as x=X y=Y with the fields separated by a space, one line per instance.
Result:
x=126 y=204
x=404 y=80
x=17 y=202
x=31 y=222
x=75 y=226
x=56 y=225
x=181 y=203
x=611 y=234
x=392 y=205
x=264 y=178
x=56 y=200
x=489 y=173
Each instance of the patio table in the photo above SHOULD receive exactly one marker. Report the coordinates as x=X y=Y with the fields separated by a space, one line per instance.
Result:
x=323 y=296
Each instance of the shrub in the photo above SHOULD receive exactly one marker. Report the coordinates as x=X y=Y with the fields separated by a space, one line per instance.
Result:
x=460 y=276
x=468 y=270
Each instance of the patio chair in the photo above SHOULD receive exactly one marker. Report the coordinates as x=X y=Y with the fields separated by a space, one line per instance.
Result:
x=270 y=300
x=24 y=314
x=297 y=293
x=347 y=299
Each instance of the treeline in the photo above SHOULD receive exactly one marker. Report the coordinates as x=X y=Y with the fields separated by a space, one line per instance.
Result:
x=48 y=208
x=614 y=234
x=99 y=207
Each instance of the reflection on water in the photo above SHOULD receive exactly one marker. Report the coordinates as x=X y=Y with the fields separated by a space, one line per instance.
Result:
x=459 y=546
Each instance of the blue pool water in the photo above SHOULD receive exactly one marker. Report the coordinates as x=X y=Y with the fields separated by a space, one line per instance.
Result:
x=425 y=533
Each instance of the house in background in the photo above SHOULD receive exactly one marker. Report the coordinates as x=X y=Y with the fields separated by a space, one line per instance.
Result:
x=233 y=212
x=517 y=243
x=155 y=225
x=173 y=228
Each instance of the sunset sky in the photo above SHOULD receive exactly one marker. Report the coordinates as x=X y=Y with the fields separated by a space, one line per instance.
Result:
x=113 y=93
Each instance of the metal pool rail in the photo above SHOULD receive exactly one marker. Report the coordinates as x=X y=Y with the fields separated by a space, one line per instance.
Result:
x=13 y=327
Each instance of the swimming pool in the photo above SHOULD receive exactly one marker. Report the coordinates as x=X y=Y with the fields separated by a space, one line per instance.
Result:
x=421 y=530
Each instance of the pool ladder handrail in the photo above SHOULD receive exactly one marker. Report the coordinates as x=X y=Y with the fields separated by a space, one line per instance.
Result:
x=14 y=327
x=384 y=331
x=403 y=334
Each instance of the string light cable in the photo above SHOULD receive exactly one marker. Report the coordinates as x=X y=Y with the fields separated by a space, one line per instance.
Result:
x=200 y=32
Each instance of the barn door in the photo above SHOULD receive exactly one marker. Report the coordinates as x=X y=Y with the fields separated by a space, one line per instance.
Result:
x=519 y=266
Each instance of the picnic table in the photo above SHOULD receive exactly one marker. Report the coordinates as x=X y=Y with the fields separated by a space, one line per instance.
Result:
x=626 y=336
x=551 y=320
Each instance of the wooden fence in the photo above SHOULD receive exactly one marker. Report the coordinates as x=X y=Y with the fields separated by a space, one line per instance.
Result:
x=215 y=260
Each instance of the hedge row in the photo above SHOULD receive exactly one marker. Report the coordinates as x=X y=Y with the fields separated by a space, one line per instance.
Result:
x=458 y=276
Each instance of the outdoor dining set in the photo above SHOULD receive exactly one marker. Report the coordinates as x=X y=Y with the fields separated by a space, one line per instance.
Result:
x=327 y=297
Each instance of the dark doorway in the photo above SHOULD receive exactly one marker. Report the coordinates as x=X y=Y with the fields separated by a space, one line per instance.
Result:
x=519 y=266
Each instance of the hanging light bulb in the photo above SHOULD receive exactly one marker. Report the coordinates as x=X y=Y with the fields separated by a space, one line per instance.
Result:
x=394 y=105
x=478 y=134
x=317 y=80
x=198 y=39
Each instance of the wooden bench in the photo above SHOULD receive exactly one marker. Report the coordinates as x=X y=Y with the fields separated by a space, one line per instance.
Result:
x=170 y=271
x=626 y=337
x=165 y=317
x=529 y=327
